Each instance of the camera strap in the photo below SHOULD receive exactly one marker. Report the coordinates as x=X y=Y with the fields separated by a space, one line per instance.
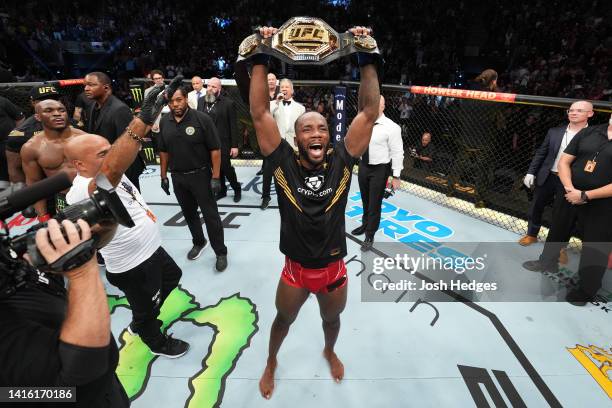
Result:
x=74 y=258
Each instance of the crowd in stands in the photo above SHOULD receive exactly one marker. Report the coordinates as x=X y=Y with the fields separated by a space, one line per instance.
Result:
x=554 y=48
x=543 y=48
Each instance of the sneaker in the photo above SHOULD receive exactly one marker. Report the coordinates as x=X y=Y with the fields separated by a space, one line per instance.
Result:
x=196 y=251
x=131 y=331
x=527 y=240
x=221 y=263
x=265 y=202
x=172 y=348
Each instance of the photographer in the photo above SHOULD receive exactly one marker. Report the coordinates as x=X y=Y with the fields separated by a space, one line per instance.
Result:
x=50 y=338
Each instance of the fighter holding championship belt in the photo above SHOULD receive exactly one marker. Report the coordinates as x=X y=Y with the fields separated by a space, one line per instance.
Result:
x=312 y=184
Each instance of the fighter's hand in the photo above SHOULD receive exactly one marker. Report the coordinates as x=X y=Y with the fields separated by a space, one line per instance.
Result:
x=360 y=31
x=215 y=186
x=234 y=152
x=267 y=32
x=396 y=183
x=165 y=185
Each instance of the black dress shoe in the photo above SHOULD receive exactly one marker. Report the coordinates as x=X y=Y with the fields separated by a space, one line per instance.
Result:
x=577 y=297
x=260 y=172
x=265 y=202
x=537 y=266
x=367 y=244
x=359 y=230
x=237 y=195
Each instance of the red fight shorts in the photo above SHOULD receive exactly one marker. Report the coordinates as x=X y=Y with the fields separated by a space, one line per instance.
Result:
x=320 y=280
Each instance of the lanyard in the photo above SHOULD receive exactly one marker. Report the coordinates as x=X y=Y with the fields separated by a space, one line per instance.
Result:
x=128 y=189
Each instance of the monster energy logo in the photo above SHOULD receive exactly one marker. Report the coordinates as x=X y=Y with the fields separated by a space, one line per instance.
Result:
x=149 y=154
x=136 y=93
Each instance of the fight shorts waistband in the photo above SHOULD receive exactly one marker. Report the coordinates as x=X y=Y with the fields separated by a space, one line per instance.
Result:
x=320 y=280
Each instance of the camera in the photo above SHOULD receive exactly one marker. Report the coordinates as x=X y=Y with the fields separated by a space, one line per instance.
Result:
x=103 y=204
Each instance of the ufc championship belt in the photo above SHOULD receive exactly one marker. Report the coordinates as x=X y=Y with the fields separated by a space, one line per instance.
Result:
x=300 y=41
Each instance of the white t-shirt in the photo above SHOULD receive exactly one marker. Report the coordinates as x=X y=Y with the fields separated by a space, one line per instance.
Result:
x=130 y=246
x=567 y=138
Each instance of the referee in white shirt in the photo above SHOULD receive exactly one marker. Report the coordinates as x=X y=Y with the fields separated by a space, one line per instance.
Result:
x=384 y=154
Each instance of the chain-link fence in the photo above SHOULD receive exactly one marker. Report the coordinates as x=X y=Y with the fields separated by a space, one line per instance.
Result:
x=482 y=144
x=19 y=93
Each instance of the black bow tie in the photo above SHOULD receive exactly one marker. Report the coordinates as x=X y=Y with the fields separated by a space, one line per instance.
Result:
x=286 y=102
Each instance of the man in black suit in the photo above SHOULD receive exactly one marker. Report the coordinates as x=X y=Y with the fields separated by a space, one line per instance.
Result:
x=109 y=117
x=543 y=171
x=223 y=113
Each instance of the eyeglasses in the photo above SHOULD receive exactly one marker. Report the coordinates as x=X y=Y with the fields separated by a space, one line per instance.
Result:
x=578 y=111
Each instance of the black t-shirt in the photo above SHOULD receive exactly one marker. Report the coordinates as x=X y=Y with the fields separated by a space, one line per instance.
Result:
x=31 y=353
x=585 y=146
x=189 y=142
x=312 y=205
x=9 y=113
x=425 y=151
x=22 y=133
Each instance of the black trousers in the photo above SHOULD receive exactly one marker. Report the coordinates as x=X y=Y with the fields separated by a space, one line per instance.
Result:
x=595 y=219
x=193 y=191
x=267 y=178
x=543 y=196
x=146 y=287
x=372 y=182
x=228 y=171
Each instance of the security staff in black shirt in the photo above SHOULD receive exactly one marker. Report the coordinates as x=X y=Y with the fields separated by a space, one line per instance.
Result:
x=585 y=170
x=189 y=146
x=50 y=338
x=24 y=132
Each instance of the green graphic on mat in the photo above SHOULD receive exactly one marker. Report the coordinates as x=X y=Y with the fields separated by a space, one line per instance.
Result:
x=234 y=321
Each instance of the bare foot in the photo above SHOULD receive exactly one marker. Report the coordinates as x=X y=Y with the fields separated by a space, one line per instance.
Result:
x=335 y=365
x=266 y=383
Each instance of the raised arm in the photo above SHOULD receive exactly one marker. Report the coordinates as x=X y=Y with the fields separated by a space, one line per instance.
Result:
x=358 y=136
x=126 y=147
x=268 y=135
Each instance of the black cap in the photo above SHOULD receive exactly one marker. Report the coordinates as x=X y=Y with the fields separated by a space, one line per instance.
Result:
x=38 y=93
